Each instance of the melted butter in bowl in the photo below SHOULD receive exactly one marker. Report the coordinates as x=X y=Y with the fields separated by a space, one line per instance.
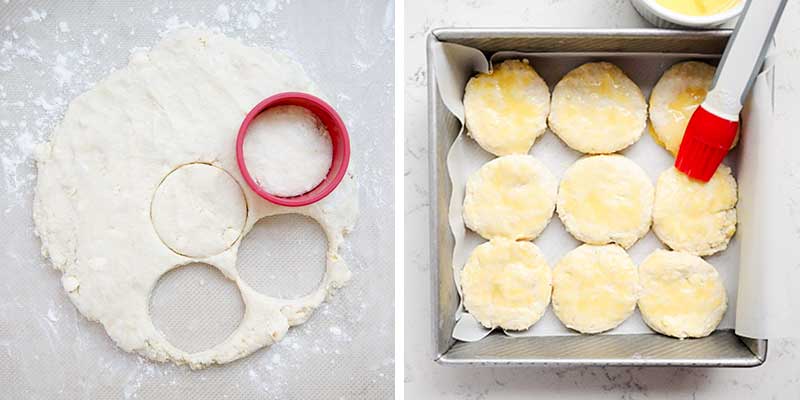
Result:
x=699 y=14
x=699 y=7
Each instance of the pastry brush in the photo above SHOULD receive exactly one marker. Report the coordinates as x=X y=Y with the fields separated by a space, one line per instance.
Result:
x=713 y=126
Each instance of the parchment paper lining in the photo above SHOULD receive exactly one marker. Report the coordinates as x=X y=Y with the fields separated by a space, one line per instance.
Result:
x=455 y=64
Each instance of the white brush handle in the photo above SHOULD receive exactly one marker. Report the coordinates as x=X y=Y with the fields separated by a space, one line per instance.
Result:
x=743 y=57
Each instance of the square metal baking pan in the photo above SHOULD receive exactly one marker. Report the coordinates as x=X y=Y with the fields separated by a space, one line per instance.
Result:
x=723 y=348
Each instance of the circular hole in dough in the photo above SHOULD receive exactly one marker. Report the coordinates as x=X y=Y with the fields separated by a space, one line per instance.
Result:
x=195 y=307
x=606 y=199
x=675 y=97
x=693 y=216
x=682 y=295
x=198 y=210
x=506 y=284
x=506 y=110
x=597 y=109
x=510 y=196
x=595 y=288
x=283 y=256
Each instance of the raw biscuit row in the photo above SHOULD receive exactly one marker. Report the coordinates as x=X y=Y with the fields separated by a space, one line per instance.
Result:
x=508 y=284
x=595 y=108
x=601 y=199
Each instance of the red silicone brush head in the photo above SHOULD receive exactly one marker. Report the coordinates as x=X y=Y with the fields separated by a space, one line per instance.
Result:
x=707 y=140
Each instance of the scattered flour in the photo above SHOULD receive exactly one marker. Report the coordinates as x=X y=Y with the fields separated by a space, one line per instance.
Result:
x=35 y=16
x=222 y=14
x=61 y=72
x=253 y=20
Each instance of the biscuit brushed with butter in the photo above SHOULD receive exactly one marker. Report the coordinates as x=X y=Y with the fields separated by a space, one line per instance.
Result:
x=675 y=97
x=506 y=284
x=595 y=288
x=511 y=196
x=682 y=295
x=693 y=216
x=606 y=199
x=597 y=109
x=506 y=109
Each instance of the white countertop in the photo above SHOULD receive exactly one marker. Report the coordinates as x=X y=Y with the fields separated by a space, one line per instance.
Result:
x=778 y=378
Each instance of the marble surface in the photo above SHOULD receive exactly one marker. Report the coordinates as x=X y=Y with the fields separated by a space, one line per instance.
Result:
x=778 y=378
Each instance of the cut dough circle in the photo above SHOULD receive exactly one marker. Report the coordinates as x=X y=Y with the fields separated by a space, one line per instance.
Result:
x=506 y=284
x=606 y=199
x=279 y=141
x=511 y=197
x=180 y=103
x=506 y=109
x=682 y=295
x=595 y=288
x=692 y=216
x=198 y=210
x=597 y=109
x=675 y=97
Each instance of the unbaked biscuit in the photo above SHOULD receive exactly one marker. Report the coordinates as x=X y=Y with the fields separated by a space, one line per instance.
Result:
x=605 y=199
x=595 y=288
x=506 y=109
x=506 y=284
x=675 y=97
x=510 y=196
x=693 y=216
x=682 y=295
x=597 y=109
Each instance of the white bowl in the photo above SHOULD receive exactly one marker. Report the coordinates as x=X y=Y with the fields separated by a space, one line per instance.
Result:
x=662 y=17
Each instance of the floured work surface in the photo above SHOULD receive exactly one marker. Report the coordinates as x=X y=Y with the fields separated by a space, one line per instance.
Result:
x=139 y=179
x=466 y=156
x=53 y=56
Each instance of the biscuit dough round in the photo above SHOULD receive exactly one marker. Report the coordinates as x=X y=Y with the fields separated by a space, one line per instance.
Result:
x=597 y=109
x=675 y=97
x=692 y=216
x=606 y=199
x=595 y=288
x=506 y=109
x=198 y=210
x=511 y=196
x=180 y=103
x=506 y=284
x=682 y=295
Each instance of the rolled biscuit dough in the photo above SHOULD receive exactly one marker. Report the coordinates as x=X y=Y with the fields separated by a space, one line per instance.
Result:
x=597 y=109
x=506 y=109
x=511 y=196
x=506 y=284
x=178 y=104
x=606 y=199
x=692 y=216
x=675 y=97
x=595 y=288
x=682 y=295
